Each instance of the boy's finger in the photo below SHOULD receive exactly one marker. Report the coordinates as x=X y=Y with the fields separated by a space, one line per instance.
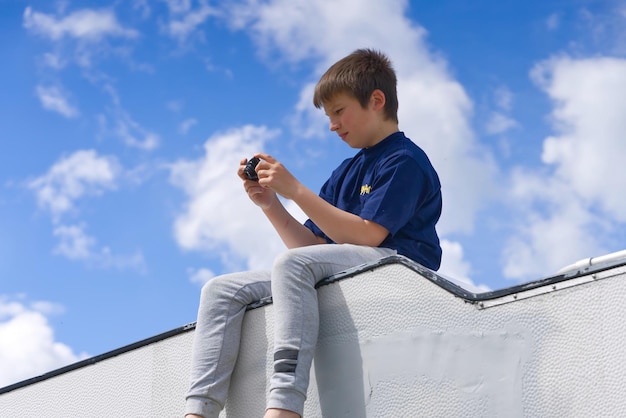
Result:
x=265 y=157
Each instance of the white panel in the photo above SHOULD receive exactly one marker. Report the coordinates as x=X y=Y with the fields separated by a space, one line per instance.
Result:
x=145 y=382
x=392 y=344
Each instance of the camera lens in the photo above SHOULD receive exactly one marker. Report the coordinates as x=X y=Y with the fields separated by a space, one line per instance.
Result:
x=249 y=171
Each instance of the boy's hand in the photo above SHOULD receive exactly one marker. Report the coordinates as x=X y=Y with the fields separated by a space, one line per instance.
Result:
x=273 y=175
x=261 y=196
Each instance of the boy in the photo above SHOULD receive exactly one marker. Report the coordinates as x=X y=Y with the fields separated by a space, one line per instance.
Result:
x=385 y=200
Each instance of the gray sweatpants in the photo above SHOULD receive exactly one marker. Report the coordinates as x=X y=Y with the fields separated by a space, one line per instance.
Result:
x=291 y=283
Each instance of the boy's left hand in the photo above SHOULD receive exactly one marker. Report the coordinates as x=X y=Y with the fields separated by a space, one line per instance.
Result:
x=263 y=197
x=273 y=175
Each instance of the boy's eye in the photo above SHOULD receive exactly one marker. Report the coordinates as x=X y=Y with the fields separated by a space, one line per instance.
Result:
x=338 y=111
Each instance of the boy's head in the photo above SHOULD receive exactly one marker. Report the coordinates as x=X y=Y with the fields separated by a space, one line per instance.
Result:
x=358 y=75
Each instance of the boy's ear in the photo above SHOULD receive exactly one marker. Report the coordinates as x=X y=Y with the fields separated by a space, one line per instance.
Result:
x=377 y=100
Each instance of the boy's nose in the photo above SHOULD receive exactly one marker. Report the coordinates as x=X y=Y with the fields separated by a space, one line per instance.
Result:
x=334 y=126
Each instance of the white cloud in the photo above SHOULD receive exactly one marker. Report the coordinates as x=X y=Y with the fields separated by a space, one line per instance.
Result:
x=499 y=123
x=200 y=276
x=134 y=135
x=124 y=127
x=106 y=259
x=52 y=98
x=553 y=21
x=210 y=66
x=573 y=208
x=88 y=32
x=590 y=126
x=122 y=124
x=81 y=173
x=555 y=228
x=179 y=6
x=605 y=28
x=86 y=24
x=175 y=105
x=314 y=30
x=186 y=125
x=54 y=61
x=218 y=217
x=186 y=20
x=455 y=269
x=307 y=121
x=143 y=7
x=75 y=244
x=503 y=98
x=47 y=308
x=27 y=343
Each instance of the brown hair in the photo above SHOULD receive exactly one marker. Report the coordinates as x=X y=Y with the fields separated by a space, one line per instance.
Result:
x=359 y=74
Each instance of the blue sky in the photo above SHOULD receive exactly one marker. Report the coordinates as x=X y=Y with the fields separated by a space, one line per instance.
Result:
x=122 y=124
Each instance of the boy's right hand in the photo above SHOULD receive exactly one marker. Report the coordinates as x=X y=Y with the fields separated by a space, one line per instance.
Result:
x=263 y=197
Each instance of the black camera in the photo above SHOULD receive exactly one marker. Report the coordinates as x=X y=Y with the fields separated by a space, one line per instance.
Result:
x=249 y=170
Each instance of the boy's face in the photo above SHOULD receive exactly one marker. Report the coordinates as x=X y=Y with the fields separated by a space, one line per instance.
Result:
x=356 y=125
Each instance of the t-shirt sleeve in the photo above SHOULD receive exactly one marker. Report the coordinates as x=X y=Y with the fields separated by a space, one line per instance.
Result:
x=395 y=193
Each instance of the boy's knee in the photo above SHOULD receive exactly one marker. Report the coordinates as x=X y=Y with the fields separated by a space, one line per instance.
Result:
x=282 y=258
x=217 y=287
x=288 y=261
x=292 y=257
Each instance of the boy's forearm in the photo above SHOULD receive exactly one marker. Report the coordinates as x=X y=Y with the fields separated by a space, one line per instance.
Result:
x=292 y=232
x=341 y=226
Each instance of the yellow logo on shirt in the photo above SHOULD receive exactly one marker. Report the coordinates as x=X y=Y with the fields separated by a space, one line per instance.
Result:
x=365 y=189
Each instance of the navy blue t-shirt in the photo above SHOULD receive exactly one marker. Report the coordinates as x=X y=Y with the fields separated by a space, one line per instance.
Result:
x=394 y=185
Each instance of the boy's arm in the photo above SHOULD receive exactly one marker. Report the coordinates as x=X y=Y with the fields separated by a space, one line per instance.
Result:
x=292 y=232
x=340 y=226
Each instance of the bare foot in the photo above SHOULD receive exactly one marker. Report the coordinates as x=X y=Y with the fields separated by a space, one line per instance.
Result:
x=280 y=413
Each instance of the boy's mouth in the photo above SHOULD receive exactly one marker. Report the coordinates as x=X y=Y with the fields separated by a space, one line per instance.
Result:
x=343 y=135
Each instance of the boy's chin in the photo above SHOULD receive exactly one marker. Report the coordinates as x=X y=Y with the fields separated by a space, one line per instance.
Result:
x=353 y=144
